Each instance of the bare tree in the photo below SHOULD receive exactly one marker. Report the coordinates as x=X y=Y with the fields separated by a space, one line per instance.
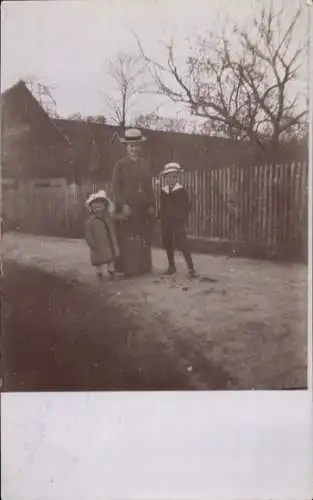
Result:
x=76 y=116
x=241 y=82
x=100 y=119
x=88 y=119
x=154 y=121
x=127 y=74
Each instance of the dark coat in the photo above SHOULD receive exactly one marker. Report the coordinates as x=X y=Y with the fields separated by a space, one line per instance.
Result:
x=101 y=239
x=175 y=205
x=132 y=185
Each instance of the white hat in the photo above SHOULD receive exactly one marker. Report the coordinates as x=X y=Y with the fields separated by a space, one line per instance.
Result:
x=171 y=168
x=99 y=195
x=133 y=135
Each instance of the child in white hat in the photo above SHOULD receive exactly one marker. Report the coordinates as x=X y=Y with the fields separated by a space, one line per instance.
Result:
x=100 y=234
x=174 y=210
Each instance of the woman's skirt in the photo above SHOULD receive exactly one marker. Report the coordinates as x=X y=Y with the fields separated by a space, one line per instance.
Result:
x=134 y=240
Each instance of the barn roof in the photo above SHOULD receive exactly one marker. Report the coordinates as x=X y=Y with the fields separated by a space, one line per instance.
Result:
x=18 y=99
x=192 y=151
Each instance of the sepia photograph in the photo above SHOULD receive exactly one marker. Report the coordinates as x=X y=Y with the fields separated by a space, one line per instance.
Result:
x=154 y=195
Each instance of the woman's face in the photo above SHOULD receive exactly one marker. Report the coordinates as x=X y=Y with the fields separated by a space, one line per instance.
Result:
x=133 y=150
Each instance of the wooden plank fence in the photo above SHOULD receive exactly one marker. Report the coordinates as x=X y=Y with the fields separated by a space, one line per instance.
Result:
x=261 y=205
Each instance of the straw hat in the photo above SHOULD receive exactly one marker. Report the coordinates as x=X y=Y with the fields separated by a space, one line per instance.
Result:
x=171 y=168
x=133 y=135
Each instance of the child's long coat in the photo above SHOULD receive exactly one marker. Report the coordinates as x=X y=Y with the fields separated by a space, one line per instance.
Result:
x=101 y=238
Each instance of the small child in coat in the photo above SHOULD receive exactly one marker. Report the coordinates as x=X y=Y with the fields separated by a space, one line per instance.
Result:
x=100 y=234
x=174 y=210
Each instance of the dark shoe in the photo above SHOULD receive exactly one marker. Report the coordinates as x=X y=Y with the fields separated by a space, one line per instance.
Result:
x=170 y=271
x=192 y=274
x=112 y=276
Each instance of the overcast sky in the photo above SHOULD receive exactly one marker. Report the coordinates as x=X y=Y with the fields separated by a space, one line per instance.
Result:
x=65 y=43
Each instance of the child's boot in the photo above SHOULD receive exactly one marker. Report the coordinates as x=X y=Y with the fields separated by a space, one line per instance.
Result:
x=171 y=263
x=191 y=269
x=111 y=272
x=170 y=270
x=99 y=275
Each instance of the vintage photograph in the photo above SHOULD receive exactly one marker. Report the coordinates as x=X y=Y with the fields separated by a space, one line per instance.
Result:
x=154 y=195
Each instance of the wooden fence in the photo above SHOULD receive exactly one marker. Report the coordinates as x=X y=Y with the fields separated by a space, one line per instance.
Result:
x=261 y=206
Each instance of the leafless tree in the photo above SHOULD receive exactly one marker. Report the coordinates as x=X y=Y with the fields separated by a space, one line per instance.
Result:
x=100 y=119
x=89 y=119
x=127 y=75
x=76 y=116
x=154 y=121
x=241 y=82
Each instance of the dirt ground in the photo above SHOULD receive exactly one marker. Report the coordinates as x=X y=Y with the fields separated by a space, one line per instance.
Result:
x=241 y=325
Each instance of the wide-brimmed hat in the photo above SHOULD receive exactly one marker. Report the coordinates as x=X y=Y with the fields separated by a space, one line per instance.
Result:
x=100 y=195
x=171 y=168
x=133 y=135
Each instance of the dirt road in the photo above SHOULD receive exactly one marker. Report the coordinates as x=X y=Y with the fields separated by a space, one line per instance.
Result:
x=241 y=325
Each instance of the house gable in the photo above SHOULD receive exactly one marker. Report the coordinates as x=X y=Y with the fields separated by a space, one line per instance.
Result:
x=32 y=145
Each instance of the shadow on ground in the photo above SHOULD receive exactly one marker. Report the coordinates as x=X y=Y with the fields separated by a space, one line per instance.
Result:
x=58 y=334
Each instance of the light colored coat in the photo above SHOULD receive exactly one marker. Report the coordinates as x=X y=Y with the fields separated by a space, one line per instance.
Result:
x=101 y=239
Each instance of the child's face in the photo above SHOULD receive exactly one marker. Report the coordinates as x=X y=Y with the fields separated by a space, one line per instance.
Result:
x=172 y=179
x=99 y=208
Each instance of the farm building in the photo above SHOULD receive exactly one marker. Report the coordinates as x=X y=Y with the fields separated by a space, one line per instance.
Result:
x=33 y=147
x=37 y=148
x=96 y=151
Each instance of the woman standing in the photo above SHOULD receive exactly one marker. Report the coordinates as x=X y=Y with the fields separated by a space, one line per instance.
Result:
x=134 y=206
